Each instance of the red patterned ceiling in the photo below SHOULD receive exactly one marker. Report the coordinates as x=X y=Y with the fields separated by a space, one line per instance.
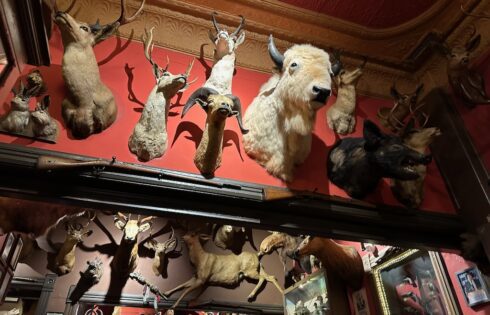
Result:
x=370 y=13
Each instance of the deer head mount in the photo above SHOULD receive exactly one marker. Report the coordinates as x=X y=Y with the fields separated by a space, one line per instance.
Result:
x=90 y=106
x=126 y=258
x=226 y=43
x=405 y=107
x=162 y=250
x=466 y=83
x=75 y=233
x=149 y=137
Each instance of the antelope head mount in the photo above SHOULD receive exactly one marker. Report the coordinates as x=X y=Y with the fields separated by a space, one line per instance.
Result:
x=162 y=250
x=126 y=258
x=226 y=43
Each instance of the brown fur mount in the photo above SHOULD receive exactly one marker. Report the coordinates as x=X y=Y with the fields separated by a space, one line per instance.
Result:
x=90 y=106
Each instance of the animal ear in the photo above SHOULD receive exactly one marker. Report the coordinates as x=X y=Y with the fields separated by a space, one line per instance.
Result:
x=473 y=43
x=88 y=233
x=144 y=227
x=204 y=237
x=394 y=92
x=45 y=102
x=240 y=39
x=372 y=135
x=151 y=244
x=104 y=32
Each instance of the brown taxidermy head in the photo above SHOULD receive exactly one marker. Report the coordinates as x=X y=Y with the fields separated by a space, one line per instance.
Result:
x=131 y=228
x=407 y=100
x=421 y=138
x=349 y=77
x=271 y=243
x=459 y=56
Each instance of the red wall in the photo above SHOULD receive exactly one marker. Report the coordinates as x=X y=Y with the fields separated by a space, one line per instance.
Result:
x=476 y=119
x=184 y=134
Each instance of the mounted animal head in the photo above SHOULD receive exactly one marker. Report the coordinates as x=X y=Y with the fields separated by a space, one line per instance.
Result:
x=218 y=107
x=459 y=55
x=226 y=43
x=349 y=77
x=271 y=243
x=20 y=101
x=168 y=83
x=194 y=237
x=419 y=138
x=88 y=35
x=305 y=75
x=76 y=231
x=131 y=228
x=41 y=114
x=390 y=155
x=162 y=250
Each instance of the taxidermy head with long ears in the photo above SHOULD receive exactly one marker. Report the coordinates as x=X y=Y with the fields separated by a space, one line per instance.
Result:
x=90 y=106
x=226 y=43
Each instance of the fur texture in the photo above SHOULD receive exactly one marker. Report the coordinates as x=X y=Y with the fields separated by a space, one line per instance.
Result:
x=341 y=115
x=358 y=164
x=282 y=116
x=411 y=192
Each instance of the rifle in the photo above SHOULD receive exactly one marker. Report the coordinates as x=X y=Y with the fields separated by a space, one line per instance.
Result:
x=50 y=163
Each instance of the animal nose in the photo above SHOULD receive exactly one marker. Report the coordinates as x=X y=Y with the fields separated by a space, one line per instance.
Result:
x=427 y=159
x=321 y=94
x=296 y=254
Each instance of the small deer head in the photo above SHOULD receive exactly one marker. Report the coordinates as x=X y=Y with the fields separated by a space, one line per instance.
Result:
x=76 y=231
x=350 y=77
x=218 y=107
x=168 y=83
x=162 y=250
x=225 y=42
x=419 y=138
x=88 y=35
x=131 y=228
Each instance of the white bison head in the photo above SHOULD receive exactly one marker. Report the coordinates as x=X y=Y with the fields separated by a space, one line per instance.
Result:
x=305 y=75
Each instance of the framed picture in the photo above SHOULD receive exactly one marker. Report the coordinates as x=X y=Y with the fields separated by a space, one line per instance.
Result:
x=414 y=282
x=7 y=247
x=308 y=296
x=473 y=286
x=7 y=278
x=14 y=258
x=360 y=301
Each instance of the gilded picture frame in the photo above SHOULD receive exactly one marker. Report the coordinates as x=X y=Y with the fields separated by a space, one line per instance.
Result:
x=415 y=280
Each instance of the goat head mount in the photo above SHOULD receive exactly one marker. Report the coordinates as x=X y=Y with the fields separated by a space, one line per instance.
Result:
x=341 y=116
x=411 y=192
x=357 y=164
x=226 y=43
x=218 y=108
x=149 y=137
x=90 y=106
x=466 y=83
x=405 y=107
x=21 y=121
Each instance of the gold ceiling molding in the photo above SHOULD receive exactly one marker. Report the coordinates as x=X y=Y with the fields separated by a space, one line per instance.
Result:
x=183 y=25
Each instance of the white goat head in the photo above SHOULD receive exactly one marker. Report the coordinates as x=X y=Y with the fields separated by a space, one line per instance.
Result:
x=225 y=42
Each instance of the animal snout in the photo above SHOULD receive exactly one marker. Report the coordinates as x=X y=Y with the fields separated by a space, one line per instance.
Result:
x=224 y=109
x=321 y=94
x=427 y=159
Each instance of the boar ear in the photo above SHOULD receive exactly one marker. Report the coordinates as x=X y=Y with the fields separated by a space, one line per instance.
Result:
x=372 y=135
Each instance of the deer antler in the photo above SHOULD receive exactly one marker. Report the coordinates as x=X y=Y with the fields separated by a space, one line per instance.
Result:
x=122 y=217
x=215 y=24
x=125 y=20
x=172 y=242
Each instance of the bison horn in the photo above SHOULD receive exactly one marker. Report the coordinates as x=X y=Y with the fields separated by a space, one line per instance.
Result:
x=201 y=94
x=237 y=108
x=215 y=24
x=276 y=56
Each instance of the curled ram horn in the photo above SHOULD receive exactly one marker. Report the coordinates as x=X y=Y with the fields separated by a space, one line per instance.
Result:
x=237 y=110
x=200 y=94
x=276 y=56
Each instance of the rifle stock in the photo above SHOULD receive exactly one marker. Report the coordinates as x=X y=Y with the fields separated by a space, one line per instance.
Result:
x=48 y=163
